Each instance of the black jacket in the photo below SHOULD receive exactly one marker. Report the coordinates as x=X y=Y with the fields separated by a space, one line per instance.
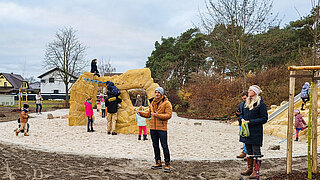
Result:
x=257 y=117
x=94 y=68
x=239 y=111
x=112 y=104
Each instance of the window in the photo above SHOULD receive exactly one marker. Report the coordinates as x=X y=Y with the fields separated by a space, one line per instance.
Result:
x=5 y=84
x=43 y=81
x=55 y=91
x=51 y=80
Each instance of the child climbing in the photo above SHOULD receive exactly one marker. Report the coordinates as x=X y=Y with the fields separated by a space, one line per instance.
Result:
x=305 y=94
x=299 y=122
x=89 y=113
x=103 y=108
x=94 y=68
x=142 y=124
x=24 y=120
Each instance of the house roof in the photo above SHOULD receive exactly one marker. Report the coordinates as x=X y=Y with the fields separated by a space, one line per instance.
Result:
x=35 y=85
x=52 y=70
x=14 y=79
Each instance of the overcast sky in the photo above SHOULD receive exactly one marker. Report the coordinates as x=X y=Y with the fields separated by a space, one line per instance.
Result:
x=123 y=30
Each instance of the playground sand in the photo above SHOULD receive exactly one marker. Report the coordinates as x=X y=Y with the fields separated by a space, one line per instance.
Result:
x=188 y=139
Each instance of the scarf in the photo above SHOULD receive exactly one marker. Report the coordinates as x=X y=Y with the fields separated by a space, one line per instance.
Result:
x=155 y=103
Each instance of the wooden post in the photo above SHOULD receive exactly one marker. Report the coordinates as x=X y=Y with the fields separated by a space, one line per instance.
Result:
x=290 y=122
x=19 y=98
x=314 y=125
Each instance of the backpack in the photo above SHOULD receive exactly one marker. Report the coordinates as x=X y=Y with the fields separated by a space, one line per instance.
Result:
x=113 y=89
x=305 y=91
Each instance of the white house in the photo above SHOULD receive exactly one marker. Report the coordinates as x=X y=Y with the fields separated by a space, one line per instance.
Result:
x=51 y=83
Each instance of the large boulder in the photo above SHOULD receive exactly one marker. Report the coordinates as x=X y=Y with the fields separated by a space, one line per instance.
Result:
x=132 y=79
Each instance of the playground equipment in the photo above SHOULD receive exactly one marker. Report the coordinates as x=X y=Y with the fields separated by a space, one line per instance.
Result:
x=313 y=108
x=87 y=86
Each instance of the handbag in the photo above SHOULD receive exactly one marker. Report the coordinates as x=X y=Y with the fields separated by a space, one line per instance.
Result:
x=244 y=132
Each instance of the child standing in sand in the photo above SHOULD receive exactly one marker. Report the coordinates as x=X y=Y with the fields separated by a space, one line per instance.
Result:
x=24 y=120
x=103 y=108
x=89 y=113
x=299 y=122
x=142 y=124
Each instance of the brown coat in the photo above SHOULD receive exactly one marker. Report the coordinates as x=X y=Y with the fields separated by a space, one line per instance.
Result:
x=24 y=117
x=160 y=121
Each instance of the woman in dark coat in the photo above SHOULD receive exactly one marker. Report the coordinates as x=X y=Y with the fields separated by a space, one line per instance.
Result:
x=94 y=68
x=255 y=114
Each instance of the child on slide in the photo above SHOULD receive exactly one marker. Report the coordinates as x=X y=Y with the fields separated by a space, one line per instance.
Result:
x=299 y=122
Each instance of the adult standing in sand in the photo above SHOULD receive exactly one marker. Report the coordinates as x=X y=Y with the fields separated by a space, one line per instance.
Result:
x=255 y=114
x=38 y=103
x=160 y=111
x=244 y=96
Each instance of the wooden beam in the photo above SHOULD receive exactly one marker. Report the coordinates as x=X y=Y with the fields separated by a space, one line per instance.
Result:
x=314 y=126
x=292 y=68
x=290 y=122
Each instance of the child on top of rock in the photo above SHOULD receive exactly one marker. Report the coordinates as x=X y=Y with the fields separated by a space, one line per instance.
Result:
x=299 y=122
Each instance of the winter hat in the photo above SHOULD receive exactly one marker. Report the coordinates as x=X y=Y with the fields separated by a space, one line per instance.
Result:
x=255 y=89
x=160 y=89
x=25 y=106
x=297 y=111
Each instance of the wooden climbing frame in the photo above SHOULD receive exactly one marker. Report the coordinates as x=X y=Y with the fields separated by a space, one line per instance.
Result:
x=315 y=78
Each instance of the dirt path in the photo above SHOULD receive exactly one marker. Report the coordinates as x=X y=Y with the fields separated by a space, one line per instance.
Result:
x=18 y=163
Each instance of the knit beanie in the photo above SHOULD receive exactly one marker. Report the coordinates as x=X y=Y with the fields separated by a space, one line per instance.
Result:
x=160 y=89
x=255 y=89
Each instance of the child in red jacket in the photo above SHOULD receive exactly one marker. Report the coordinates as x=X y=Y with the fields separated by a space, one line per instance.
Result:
x=89 y=113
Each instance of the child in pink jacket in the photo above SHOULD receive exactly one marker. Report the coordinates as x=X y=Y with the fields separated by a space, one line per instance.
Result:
x=89 y=113
x=299 y=122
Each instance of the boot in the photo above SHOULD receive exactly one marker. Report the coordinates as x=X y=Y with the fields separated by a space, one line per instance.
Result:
x=250 y=167
x=145 y=137
x=254 y=170
x=297 y=139
x=17 y=133
x=158 y=165
x=242 y=155
x=139 y=137
x=25 y=134
x=167 y=167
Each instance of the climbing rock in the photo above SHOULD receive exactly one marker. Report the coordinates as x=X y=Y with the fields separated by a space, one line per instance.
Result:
x=49 y=116
x=283 y=102
x=273 y=107
x=132 y=79
x=274 y=147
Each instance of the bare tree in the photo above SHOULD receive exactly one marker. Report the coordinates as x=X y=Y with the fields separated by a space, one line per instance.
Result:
x=229 y=24
x=66 y=53
x=105 y=67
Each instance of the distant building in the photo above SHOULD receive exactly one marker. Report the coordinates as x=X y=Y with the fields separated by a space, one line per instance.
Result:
x=34 y=87
x=51 y=83
x=11 y=83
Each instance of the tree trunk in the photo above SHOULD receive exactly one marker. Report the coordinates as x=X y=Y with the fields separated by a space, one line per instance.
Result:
x=244 y=80
x=67 y=95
